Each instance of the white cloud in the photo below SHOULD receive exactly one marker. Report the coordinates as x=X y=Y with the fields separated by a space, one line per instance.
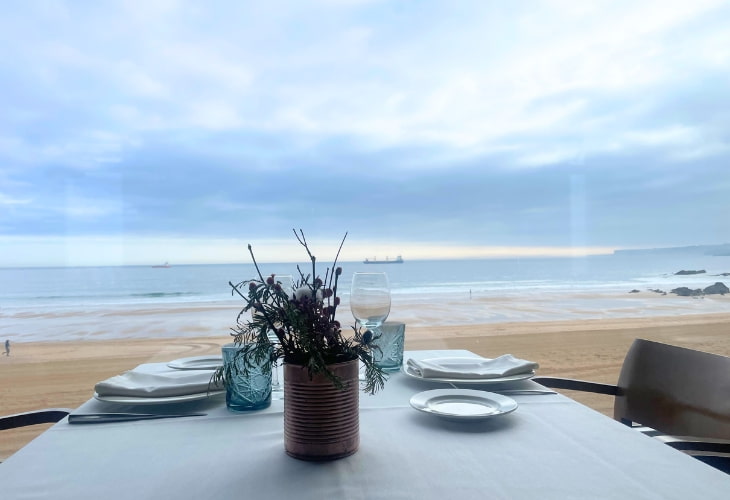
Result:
x=663 y=136
x=83 y=208
x=90 y=150
x=548 y=156
x=212 y=115
x=677 y=142
x=10 y=201
x=510 y=89
x=116 y=250
x=468 y=82
x=138 y=81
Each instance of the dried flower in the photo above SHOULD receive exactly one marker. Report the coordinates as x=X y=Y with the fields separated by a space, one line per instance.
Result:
x=308 y=333
x=305 y=293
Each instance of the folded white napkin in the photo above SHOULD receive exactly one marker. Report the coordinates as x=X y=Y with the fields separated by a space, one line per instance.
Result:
x=471 y=368
x=157 y=380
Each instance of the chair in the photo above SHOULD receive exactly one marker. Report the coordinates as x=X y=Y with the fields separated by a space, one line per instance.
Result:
x=46 y=416
x=678 y=395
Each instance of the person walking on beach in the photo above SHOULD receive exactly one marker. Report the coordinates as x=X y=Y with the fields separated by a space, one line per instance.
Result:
x=7 y=347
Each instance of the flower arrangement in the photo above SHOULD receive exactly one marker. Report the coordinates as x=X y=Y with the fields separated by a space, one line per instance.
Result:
x=304 y=323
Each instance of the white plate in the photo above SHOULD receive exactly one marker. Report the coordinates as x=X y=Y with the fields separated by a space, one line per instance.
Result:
x=494 y=380
x=129 y=400
x=210 y=362
x=463 y=404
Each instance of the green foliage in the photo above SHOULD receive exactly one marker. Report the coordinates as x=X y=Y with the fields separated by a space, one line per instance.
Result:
x=304 y=323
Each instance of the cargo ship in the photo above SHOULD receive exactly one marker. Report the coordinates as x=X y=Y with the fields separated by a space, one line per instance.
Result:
x=398 y=260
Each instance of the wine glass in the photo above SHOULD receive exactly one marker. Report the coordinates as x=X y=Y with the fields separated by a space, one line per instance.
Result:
x=287 y=285
x=370 y=299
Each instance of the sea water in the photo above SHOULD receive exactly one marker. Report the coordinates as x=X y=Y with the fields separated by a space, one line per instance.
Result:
x=193 y=300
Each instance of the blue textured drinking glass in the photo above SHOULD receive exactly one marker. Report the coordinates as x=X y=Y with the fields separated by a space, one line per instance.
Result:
x=389 y=356
x=246 y=391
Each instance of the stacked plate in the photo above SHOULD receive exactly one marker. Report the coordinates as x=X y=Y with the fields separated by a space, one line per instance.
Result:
x=160 y=383
x=467 y=404
x=210 y=362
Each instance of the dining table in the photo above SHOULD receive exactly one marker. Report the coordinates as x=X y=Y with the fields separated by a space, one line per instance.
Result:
x=549 y=447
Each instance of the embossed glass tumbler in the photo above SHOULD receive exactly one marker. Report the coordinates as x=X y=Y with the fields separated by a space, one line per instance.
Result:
x=391 y=341
x=246 y=390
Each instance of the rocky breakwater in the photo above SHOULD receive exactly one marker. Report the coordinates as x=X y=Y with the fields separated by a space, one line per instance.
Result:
x=717 y=288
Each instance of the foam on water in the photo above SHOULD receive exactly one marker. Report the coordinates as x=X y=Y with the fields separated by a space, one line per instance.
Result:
x=130 y=302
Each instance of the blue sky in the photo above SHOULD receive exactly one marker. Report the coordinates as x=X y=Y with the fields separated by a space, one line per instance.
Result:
x=140 y=132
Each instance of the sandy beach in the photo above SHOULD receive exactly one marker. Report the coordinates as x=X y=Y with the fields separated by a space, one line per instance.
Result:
x=63 y=374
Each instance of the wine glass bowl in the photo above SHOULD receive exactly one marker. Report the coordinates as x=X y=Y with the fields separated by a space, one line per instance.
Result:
x=370 y=299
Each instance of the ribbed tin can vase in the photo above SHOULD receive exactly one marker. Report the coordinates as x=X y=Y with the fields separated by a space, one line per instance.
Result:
x=321 y=421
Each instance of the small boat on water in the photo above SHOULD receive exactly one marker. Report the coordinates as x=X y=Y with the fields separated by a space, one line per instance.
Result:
x=398 y=260
x=165 y=265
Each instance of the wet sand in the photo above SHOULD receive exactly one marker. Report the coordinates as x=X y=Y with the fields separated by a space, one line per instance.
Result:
x=63 y=374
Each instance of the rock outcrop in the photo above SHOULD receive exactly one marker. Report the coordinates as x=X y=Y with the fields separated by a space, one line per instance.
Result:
x=716 y=288
x=685 y=273
x=683 y=291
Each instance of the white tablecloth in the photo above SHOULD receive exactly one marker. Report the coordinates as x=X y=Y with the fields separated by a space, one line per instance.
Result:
x=550 y=448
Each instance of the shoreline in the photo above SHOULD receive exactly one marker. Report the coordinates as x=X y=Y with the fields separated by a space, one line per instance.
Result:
x=198 y=319
x=424 y=330
x=63 y=373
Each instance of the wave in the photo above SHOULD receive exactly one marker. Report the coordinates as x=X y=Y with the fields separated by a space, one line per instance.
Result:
x=117 y=296
x=156 y=295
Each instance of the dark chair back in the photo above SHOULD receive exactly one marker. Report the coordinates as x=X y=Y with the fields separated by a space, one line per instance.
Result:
x=45 y=416
x=675 y=390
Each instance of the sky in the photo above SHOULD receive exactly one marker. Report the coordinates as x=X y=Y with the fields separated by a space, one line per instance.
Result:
x=181 y=131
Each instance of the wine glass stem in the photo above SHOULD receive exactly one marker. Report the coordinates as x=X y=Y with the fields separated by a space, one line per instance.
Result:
x=275 y=385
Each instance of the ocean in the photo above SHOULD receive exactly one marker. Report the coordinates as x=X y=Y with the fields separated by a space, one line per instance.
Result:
x=72 y=303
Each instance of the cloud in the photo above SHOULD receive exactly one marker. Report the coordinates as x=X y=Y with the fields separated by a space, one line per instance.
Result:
x=546 y=125
x=7 y=200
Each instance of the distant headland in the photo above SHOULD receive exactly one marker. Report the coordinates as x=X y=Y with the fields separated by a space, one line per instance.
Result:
x=714 y=250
